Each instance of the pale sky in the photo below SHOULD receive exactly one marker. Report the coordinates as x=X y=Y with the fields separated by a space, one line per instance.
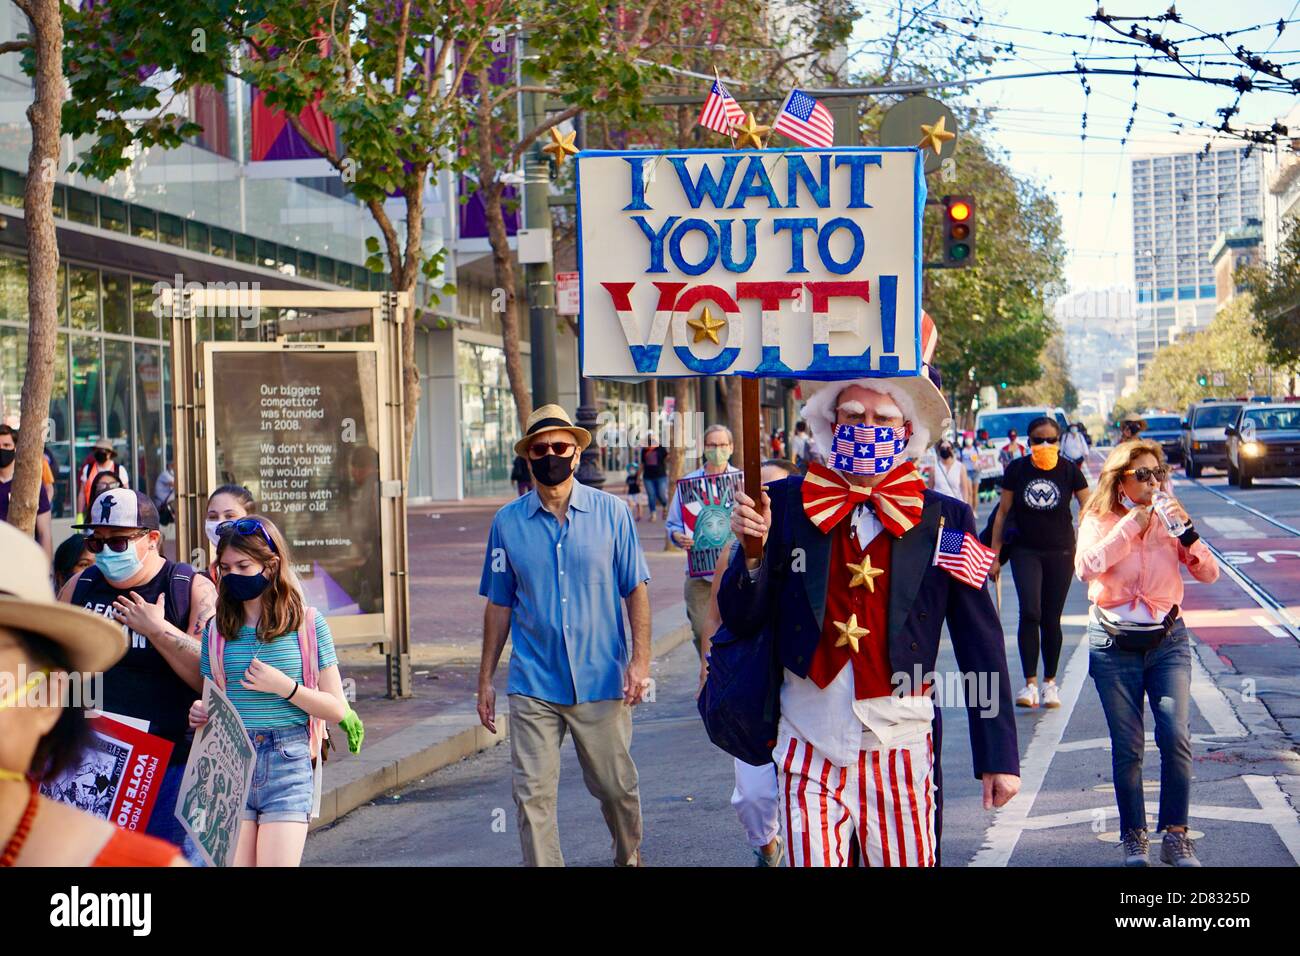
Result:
x=1039 y=120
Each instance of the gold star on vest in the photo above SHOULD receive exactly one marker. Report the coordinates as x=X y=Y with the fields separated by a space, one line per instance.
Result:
x=561 y=145
x=864 y=573
x=706 y=327
x=850 y=633
x=749 y=132
x=933 y=135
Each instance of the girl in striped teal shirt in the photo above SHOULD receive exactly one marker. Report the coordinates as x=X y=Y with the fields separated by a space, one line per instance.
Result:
x=254 y=650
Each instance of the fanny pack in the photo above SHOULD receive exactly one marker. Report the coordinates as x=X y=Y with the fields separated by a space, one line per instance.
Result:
x=1137 y=637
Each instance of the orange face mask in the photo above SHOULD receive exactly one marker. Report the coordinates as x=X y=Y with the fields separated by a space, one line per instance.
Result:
x=1044 y=456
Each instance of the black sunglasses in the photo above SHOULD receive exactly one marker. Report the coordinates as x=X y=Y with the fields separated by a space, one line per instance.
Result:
x=1043 y=440
x=245 y=526
x=117 y=543
x=1143 y=475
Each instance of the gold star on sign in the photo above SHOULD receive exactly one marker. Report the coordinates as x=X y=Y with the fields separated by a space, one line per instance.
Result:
x=749 y=132
x=850 y=633
x=561 y=145
x=933 y=135
x=706 y=327
x=864 y=573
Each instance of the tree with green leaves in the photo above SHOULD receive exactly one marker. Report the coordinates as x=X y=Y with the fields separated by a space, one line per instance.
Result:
x=388 y=73
x=42 y=51
x=1276 y=288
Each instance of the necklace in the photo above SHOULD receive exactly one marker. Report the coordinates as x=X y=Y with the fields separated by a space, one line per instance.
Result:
x=15 y=845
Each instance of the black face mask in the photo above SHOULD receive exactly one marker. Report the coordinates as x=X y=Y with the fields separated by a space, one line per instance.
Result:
x=101 y=456
x=7 y=456
x=945 y=452
x=551 y=470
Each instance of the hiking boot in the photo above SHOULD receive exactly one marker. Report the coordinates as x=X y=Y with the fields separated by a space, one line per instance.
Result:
x=1176 y=849
x=1136 y=846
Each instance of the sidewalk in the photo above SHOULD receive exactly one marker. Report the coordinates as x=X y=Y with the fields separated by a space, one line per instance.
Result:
x=438 y=725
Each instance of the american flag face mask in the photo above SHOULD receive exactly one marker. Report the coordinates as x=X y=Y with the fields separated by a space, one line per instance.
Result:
x=868 y=449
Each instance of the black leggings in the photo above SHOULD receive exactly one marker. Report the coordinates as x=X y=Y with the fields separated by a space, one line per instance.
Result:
x=1042 y=582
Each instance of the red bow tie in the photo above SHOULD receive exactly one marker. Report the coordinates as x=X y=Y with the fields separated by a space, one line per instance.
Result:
x=897 y=499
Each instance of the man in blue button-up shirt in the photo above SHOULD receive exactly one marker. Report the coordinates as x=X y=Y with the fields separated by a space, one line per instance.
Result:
x=559 y=559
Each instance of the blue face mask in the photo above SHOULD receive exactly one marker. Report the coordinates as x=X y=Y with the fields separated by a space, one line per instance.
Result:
x=244 y=587
x=118 y=567
x=867 y=449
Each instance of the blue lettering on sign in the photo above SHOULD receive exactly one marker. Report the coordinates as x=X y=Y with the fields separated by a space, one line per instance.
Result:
x=770 y=363
x=656 y=241
x=857 y=178
x=797 y=171
x=751 y=245
x=716 y=190
x=754 y=184
x=824 y=245
x=713 y=366
x=675 y=247
x=824 y=362
x=638 y=183
x=796 y=227
x=645 y=357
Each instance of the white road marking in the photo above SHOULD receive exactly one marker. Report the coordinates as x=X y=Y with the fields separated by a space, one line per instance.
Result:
x=1281 y=814
x=1268 y=625
x=1001 y=838
x=1103 y=743
x=1230 y=527
x=1213 y=703
x=1234 y=814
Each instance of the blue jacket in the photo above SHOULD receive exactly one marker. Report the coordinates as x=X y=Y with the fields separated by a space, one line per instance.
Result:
x=789 y=595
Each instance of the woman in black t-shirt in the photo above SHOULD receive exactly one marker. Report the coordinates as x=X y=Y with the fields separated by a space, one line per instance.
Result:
x=1036 y=492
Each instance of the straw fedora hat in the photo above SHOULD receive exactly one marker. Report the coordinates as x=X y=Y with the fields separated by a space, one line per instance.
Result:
x=93 y=643
x=550 y=418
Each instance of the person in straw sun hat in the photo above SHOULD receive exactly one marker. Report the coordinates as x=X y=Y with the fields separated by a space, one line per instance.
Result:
x=882 y=563
x=44 y=645
x=559 y=560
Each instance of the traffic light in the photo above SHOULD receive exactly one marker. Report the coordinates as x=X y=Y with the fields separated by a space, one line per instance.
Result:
x=1202 y=380
x=958 y=231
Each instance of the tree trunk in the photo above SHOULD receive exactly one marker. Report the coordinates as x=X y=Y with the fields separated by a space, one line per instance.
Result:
x=42 y=259
x=735 y=417
x=406 y=281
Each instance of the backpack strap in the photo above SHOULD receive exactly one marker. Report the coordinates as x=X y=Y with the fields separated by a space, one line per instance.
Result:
x=307 y=647
x=216 y=655
x=176 y=602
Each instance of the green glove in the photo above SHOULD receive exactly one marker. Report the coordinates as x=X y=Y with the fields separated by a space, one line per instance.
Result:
x=355 y=730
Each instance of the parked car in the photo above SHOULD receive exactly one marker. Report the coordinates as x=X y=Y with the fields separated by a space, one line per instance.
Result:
x=1166 y=429
x=1264 y=442
x=1203 y=442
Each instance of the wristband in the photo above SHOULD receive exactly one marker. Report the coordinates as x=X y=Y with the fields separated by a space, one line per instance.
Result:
x=1189 y=537
x=294 y=691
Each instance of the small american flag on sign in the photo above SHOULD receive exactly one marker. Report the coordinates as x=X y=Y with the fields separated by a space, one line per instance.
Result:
x=961 y=555
x=721 y=111
x=805 y=121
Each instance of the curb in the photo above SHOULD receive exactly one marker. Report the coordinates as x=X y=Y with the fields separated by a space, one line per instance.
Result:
x=394 y=762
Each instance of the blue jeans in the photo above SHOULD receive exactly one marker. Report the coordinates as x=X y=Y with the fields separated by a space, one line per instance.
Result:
x=163 y=822
x=656 y=490
x=1164 y=675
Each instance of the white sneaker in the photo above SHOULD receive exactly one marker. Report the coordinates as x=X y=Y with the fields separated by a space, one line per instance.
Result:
x=1028 y=696
x=1051 y=694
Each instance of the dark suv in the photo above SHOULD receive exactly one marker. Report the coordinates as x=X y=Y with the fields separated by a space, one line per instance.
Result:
x=1164 y=428
x=1203 y=443
x=1264 y=442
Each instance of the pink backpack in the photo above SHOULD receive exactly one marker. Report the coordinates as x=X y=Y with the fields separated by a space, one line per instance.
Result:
x=317 y=732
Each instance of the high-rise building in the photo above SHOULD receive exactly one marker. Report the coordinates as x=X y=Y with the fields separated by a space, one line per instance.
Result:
x=1182 y=201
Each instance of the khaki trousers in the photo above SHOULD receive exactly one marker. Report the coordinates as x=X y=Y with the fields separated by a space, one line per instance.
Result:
x=697 y=606
x=602 y=734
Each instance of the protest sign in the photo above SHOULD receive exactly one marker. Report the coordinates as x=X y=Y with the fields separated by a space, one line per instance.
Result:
x=214 y=787
x=801 y=263
x=706 y=511
x=117 y=776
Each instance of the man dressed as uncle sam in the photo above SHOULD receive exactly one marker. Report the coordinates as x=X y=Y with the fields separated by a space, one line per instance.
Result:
x=856 y=584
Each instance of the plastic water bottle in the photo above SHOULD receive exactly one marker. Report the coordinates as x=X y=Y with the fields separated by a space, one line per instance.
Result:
x=1162 y=502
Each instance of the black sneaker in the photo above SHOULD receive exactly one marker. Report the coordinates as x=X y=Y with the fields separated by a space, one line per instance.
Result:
x=1136 y=846
x=1177 y=849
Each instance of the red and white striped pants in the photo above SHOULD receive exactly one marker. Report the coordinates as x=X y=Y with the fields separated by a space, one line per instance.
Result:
x=886 y=801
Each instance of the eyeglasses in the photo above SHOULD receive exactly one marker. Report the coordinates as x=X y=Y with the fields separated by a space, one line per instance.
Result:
x=1143 y=475
x=540 y=449
x=1043 y=440
x=245 y=526
x=117 y=543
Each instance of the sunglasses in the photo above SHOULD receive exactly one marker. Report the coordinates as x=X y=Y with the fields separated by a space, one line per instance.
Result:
x=1041 y=440
x=117 y=543
x=1143 y=475
x=539 y=450
x=245 y=526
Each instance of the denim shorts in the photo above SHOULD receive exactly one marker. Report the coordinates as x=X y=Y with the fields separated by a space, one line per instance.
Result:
x=282 y=776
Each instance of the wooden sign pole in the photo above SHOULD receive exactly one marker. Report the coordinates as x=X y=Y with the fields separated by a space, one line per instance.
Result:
x=752 y=440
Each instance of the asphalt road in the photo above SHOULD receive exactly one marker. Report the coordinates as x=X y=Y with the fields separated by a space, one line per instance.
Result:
x=1245 y=790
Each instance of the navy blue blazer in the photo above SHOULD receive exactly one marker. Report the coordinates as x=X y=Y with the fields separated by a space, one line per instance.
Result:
x=789 y=594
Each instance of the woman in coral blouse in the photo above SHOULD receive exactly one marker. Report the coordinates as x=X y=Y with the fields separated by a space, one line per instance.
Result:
x=1138 y=643
x=42 y=642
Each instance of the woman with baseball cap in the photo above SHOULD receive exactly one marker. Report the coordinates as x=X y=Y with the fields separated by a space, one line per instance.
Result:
x=43 y=646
